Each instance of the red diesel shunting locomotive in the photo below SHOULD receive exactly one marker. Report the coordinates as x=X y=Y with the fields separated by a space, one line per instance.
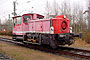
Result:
x=32 y=28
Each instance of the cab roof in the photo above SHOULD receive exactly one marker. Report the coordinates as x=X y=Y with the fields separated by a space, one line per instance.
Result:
x=29 y=14
x=32 y=14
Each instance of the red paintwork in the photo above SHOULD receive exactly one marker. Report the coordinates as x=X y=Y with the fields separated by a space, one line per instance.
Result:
x=57 y=24
x=41 y=25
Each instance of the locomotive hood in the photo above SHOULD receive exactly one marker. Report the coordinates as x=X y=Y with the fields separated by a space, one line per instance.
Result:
x=60 y=24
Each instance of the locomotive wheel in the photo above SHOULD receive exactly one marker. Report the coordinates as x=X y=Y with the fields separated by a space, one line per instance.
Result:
x=40 y=40
x=52 y=43
x=24 y=38
x=71 y=41
x=13 y=37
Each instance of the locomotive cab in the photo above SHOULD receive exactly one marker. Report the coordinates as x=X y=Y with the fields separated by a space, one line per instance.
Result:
x=21 y=24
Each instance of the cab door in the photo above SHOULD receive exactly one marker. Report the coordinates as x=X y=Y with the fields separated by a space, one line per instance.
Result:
x=26 y=19
x=17 y=26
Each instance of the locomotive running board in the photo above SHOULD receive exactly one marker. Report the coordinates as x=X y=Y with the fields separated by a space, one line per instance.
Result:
x=31 y=43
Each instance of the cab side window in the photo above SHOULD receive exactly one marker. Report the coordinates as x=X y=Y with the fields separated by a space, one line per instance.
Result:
x=18 y=20
x=25 y=19
x=39 y=17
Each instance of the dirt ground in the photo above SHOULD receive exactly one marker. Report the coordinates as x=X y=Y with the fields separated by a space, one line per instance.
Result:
x=81 y=44
x=22 y=53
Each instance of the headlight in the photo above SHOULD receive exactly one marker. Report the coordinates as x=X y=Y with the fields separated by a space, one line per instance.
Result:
x=64 y=16
x=51 y=30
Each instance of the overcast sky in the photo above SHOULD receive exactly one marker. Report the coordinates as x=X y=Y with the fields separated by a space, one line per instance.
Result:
x=6 y=6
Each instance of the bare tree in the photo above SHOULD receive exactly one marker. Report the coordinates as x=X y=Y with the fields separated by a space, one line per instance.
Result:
x=48 y=9
x=55 y=8
x=88 y=11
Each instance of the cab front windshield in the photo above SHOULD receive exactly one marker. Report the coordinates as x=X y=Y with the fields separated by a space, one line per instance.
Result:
x=26 y=18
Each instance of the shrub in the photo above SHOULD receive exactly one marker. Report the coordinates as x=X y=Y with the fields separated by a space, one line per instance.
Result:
x=86 y=37
x=9 y=32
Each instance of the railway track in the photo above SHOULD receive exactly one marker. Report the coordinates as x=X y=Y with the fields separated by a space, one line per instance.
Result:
x=63 y=51
x=3 y=57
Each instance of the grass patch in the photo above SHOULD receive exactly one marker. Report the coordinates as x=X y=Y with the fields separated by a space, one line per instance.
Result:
x=8 y=33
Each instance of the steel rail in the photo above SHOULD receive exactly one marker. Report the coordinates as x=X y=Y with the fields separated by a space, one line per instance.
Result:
x=67 y=51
